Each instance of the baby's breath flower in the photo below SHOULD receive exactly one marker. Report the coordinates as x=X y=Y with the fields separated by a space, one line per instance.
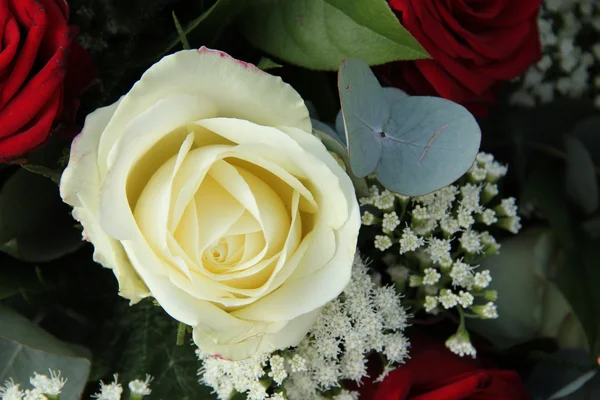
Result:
x=487 y=311
x=461 y=274
x=470 y=242
x=382 y=242
x=367 y=218
x=431 y=276
x=464 y=217
x=490 y=190
x=511 y=224
x=488 y=216
x=346 y=395
x=410 y=241
x=140 y=388
x=438 y=249
x=449 y=225
x=460 y=344
x=420 y=213
x=470 y=197
x=111 y=391
x=477 y=174
x=496 y=171
x=390 y=221
x=49 y=385
x=298 y=363
x=385 y=201
x=278 y=372
x=465 y=299
x=34 y=394
x=11 y=391
x=431 y=303
x=507 y=207
x=447 y=299
x=482 y=279
x=484 y=159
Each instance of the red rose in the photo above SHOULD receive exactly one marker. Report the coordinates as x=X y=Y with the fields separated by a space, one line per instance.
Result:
x=34 y=54
x=474 y=45
x=434 y=373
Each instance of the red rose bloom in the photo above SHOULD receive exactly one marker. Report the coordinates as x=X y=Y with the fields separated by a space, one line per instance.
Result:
x=34 y=54
x=474 y=45
x=434 y=373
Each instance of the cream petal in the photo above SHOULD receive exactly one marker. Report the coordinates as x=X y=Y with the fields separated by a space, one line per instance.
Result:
x=324 y=183
x=282 y=336
x=80 y=187
x=187 y=233
x=326 y=283
x=141 y=135
x=152 y=210
x=244 y=225
x=231 y=85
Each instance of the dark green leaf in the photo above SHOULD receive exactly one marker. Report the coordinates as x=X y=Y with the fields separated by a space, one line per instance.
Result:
x=588 y=132
x=180 y=32
x=415 y=145
x=581 y=182
x=565 y=374
x=35 y=225
x=151 y=348
x=266 y=63
x=25 y=348
x=319 y=34
x=52 y=174
x=379 y=18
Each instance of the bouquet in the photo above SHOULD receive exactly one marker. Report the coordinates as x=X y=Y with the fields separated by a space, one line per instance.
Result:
x=311 y=199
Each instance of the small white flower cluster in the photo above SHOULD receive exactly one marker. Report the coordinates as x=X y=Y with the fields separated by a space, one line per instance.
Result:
x=364 y=318
x=569 y=60
x=44 y=387
x=440 y=239
x=49 y=387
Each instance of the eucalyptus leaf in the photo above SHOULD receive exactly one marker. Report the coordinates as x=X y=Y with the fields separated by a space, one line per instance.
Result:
x=581 y=182
x=319 y=34
x=26 y=348
x=35 y=225
x=415 y=145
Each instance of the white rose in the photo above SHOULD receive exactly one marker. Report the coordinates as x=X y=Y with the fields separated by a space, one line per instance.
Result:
x=204 y=188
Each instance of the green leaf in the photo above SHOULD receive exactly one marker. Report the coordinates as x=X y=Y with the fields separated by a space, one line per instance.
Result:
x=180 y=32
x=25 y=348
x=577 y=279
x=578 y=274
x=35 y=225
x=573 y=386
x=415 y=145
x=53 y=174
x=151 y=348
x=319 y=34
x=210 y=23
x=266 y=63
x=581 y=182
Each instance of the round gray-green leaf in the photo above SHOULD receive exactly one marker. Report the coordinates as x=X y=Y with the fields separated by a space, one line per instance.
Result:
x=415 y=145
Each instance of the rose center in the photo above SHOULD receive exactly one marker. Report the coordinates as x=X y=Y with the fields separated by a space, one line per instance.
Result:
x=218 y=252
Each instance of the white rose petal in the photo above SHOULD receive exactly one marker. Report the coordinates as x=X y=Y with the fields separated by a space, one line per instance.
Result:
x=204 y=188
